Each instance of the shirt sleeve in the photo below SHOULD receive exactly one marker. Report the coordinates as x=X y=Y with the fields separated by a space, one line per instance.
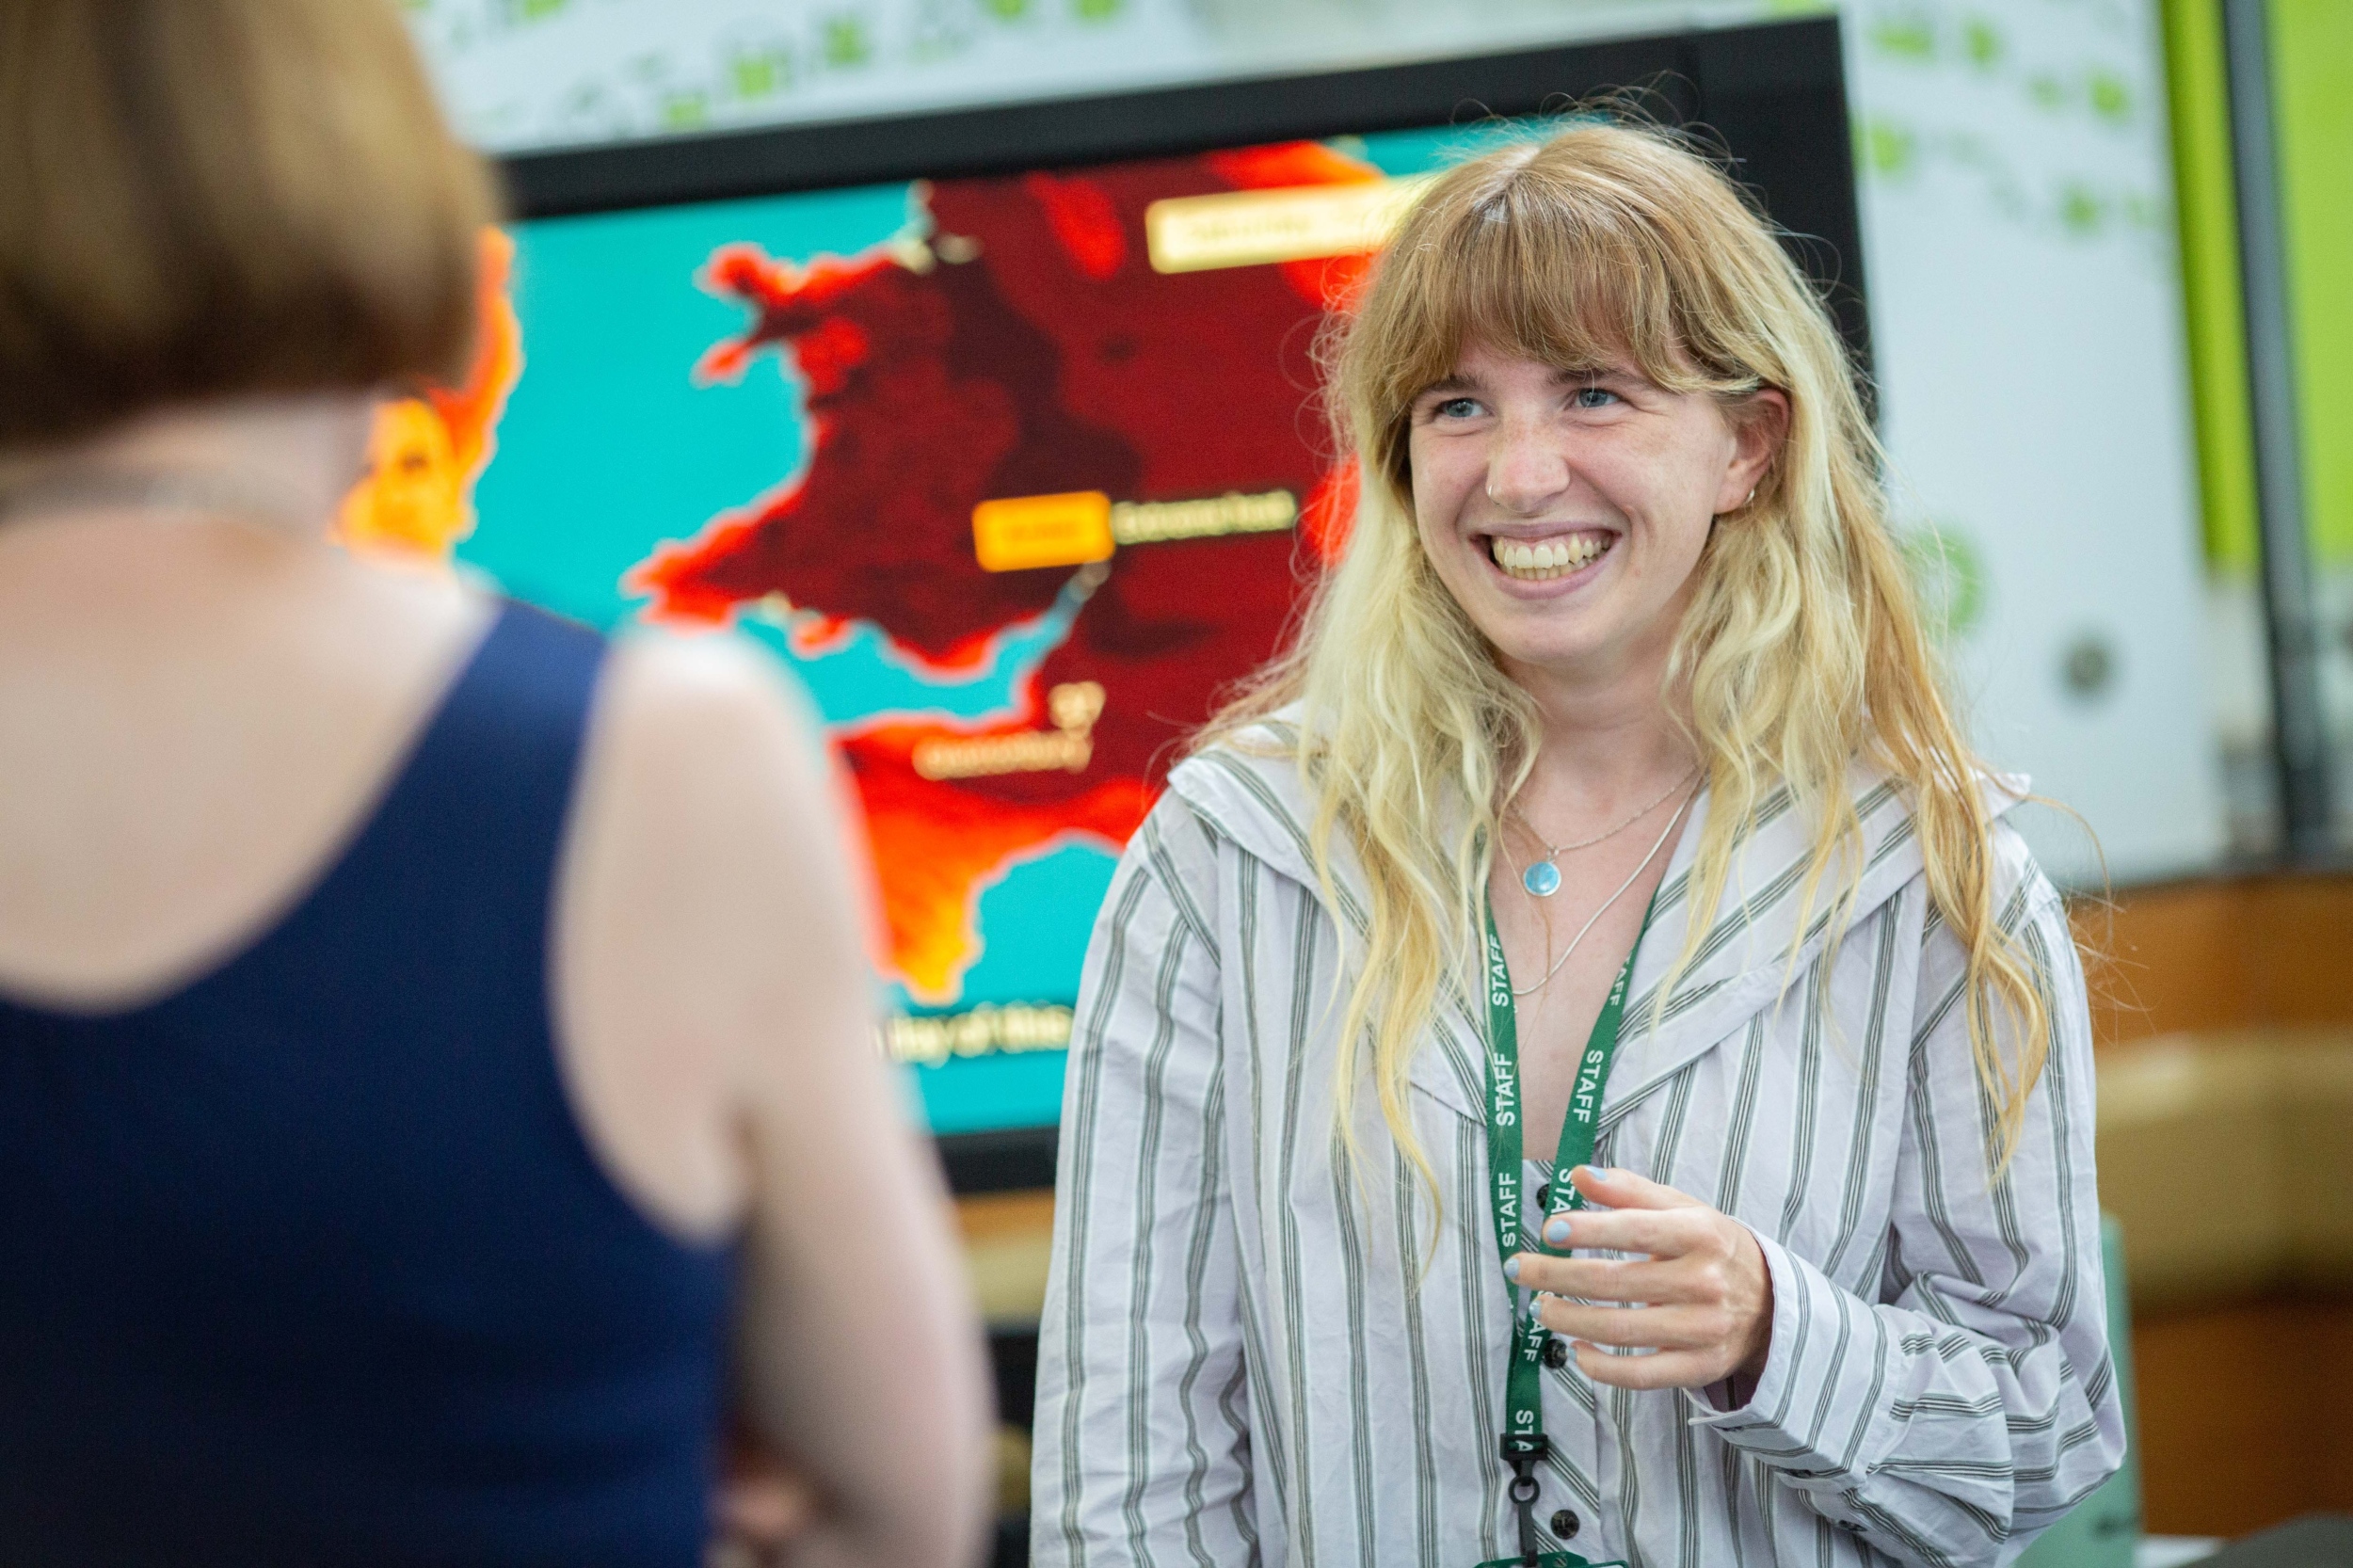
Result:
x=1141 y=1452
x=1971 y=1406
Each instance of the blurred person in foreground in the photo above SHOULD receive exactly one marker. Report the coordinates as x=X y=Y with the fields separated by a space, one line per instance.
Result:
x=1577 y=1066
x=426 y=1034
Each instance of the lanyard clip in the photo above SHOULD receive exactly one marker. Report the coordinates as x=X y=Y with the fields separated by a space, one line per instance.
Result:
x=1524 y=1453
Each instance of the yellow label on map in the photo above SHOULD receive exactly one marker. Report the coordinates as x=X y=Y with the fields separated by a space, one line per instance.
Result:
x=1251 y=227
x=1043 y=531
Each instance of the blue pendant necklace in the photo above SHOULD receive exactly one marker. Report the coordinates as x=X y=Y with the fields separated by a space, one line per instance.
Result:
x=1542 y=877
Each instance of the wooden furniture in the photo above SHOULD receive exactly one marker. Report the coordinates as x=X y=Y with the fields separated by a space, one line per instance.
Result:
x=2225 y=1011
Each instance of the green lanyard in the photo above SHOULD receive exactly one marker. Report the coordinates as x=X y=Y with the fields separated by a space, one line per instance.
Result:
x=1524 y=1443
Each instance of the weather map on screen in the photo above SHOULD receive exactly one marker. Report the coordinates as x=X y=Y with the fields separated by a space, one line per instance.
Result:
x=1016 y=474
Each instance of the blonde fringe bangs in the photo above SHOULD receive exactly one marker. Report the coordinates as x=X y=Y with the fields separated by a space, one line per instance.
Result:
x=1803 y=652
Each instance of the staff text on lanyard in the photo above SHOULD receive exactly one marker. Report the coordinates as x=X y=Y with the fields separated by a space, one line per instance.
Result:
x=1525 y=1445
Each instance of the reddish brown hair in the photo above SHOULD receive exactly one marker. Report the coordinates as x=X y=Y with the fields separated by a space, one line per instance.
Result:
x=210 y=198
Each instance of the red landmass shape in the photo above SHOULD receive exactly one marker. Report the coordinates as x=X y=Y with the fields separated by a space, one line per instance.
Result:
x=1052 y=359
x=937 y=844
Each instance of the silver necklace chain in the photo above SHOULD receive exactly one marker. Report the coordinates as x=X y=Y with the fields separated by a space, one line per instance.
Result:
x=239 y=498
x=1554 y=851
x=1660 y=843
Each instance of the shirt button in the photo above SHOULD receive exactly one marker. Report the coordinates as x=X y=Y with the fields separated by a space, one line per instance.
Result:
x=1544 y=1196
x=1564 y=1525
x=1556 y=1353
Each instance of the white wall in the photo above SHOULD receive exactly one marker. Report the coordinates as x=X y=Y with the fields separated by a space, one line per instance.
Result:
x=2017 y=218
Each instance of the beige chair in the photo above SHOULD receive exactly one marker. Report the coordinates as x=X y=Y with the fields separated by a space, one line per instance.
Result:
x=2229 y=1158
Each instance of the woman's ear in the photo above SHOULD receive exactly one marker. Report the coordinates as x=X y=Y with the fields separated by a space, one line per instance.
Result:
x=1760 y=424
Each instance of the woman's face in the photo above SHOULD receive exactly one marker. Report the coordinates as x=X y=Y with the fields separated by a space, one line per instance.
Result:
x=1565 y=512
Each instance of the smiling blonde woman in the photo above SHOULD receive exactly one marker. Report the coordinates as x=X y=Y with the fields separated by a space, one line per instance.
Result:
x=1577 y=1069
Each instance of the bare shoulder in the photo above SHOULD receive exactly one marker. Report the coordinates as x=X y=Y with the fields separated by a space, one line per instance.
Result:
x=702 y=748
x=709 y=778
x=707 y=895
x=713 y=694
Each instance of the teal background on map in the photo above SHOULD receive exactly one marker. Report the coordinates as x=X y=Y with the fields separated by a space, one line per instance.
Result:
x=609 y=446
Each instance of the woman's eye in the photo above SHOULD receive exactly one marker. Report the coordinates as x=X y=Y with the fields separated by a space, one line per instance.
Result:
x=1595 y=397
x=1456 y=407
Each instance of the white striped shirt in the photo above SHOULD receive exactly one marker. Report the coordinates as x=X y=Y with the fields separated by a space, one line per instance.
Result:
x=1245 y=1361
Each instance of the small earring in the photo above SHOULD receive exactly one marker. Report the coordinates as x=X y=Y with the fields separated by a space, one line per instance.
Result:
x=1751 y=496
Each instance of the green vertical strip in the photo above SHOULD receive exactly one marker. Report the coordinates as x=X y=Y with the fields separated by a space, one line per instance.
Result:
x=2207 y=207
x=2312 y=67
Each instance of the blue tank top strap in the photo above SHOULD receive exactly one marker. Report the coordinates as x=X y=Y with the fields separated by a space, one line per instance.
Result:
x=515 y=719
x=459 y=860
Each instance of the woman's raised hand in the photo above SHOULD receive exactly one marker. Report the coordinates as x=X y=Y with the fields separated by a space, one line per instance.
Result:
x=1701 y=1296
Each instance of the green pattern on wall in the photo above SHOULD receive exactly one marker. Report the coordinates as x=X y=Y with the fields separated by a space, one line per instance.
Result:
x=528 y=73
x=1980 y=45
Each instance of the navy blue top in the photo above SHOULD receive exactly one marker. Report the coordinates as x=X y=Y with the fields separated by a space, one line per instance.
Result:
x=310 y=1262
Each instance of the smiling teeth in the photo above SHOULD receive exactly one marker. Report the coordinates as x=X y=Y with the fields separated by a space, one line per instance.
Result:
x=1547 y=558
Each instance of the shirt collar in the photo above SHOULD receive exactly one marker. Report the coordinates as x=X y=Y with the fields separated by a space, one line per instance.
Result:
x=1248 y=788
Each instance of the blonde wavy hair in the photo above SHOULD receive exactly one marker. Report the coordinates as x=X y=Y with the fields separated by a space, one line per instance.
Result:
x=1802 y=650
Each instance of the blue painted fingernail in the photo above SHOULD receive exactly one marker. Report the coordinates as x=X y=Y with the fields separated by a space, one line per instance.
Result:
x=1512 y=1270
x=1557 y=1230
x=1599 y=1173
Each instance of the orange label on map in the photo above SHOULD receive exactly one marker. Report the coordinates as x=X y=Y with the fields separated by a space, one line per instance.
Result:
x=1043 y=531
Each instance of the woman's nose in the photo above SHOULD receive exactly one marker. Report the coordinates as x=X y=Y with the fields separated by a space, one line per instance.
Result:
x=1524 y=471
